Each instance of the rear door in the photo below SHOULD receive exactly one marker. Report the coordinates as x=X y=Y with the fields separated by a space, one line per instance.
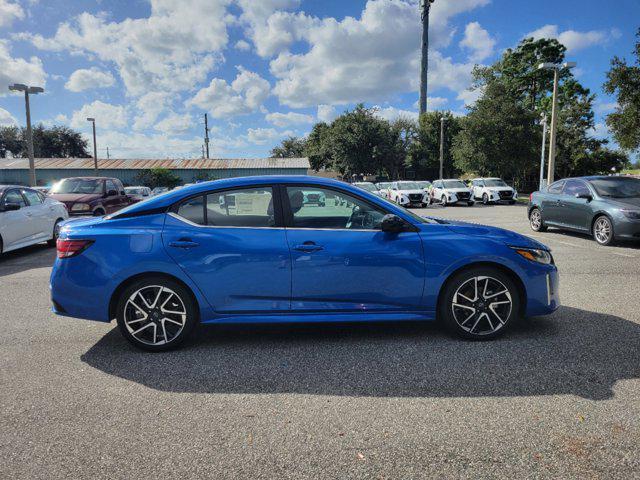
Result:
x=16 y=228
x=41 y=224
x=343 y=262
x=232 y=244
x=576 y=212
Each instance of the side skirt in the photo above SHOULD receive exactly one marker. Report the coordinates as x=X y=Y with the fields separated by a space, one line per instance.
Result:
x=323 y=317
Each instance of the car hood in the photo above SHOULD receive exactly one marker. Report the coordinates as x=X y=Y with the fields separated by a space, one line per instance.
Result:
x=633 y=202
x=500 y=189
x=75 y=197
x=494 y=233
x=455 y=190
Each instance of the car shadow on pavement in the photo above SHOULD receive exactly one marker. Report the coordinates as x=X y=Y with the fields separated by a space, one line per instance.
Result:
x=631 y=244
x=571 y=352
x=28 y=258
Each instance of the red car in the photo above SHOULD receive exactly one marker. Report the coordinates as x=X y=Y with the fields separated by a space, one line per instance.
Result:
x=91 y=195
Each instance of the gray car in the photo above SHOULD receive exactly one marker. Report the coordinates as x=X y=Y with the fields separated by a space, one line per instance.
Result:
x=606 y=207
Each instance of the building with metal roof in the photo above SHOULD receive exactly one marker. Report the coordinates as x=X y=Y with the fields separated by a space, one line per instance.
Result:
x=50 y=170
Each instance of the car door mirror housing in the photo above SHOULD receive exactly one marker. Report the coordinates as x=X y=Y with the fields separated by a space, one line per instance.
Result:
x=584 y=196
x=392 y=224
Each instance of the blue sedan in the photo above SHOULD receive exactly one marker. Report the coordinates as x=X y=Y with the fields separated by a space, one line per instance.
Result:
x=257 y=249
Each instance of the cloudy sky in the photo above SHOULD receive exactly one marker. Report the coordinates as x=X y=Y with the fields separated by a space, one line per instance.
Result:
x=148 y=70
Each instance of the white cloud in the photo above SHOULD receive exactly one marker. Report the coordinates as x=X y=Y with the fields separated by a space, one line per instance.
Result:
x=171 y=50
x=478 y=41
x=605 y=107
x=139 y=145
x=393 y=113
x=244 y=95
x=19 y=70
x=327 y=113
x=600 y=131
x=107 y=116
x=10 y=11
x=87 y=78
x=175 y=123
x=149 y=108
x=6 y=118
x=286 y=119
x=261 y=136
x=367 y=59
x=573 y=39
x=242 y=45
x=470 y=97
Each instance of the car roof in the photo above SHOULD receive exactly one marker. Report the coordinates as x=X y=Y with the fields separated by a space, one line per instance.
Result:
x=6 y=187
x=486 y=178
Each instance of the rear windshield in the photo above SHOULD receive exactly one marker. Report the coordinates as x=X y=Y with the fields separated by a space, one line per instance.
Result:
x=617 y=187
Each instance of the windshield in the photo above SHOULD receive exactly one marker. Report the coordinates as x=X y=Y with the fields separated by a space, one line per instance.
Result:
x=495 y=182
x=383 y=185
x=409 y=186
x=77 y=185
x=134 y=191
x=424 y=184
x=369 y=187
x=617 y=187
x=454 y=184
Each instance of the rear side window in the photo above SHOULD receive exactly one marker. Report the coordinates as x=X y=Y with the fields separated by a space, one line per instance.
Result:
x=556 y=187
x=193 y=210
x=32 y=197
x=250 y=207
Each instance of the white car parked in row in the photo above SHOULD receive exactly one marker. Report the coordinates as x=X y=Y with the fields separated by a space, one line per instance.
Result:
x=408 y=194
x=450 y=191
x=369 y=187
x=138 y=193
x=493 y=190
x=28 y=217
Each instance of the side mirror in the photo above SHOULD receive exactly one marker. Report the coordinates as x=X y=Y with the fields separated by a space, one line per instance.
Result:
x=584 y=196
x=10 y=207
x=112 y=193
x=392 y=224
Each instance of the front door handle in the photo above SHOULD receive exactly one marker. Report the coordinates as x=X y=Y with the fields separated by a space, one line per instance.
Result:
x=183 y=243
x=308 y=247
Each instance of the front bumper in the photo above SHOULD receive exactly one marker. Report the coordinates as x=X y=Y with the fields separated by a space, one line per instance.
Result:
x=626 y=229
x=543 y=292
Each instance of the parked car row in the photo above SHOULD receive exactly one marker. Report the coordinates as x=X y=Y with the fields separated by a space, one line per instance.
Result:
x=443 y=192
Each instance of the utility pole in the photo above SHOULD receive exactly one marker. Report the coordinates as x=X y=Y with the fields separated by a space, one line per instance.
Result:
x=425 y=7
x=544 y=143
x=95 y=147
x=203 y=150
x=442 y=120
x=206 y=134
x=19 y=87
x=554 y=114
x=108 y=157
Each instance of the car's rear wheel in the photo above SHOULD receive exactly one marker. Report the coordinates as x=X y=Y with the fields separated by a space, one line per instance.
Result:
x=479 y=303
x=603 y=230
x=535 y=221
x=156 y=314
x=56 y=232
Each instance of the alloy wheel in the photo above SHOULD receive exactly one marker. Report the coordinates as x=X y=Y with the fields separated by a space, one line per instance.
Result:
x=536 y=219
x=443 y=201
x=481 y=305
x=155 y=315
x=602 y=230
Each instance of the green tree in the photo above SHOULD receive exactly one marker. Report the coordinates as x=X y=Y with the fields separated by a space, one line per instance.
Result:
x=48 y=142
x=158 y=177
x=318 y=147
x=623 y=80
x=291 y=147
x=424 y=153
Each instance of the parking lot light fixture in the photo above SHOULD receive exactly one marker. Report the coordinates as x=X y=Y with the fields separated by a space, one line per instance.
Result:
x=556 y=67
x=21 y=87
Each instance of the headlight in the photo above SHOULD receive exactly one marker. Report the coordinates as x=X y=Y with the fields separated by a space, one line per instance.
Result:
x=633 y=214
x=535 y=255
x=80 y=207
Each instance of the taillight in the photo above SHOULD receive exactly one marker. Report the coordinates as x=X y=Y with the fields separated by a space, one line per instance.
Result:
x=71 y=248
x=531 y=197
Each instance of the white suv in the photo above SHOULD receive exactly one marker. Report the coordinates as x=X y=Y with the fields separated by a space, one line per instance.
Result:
x=450 y=191
x=408 y=194
x=493 y=190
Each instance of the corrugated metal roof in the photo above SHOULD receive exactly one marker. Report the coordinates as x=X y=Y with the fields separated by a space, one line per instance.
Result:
x=209 y=164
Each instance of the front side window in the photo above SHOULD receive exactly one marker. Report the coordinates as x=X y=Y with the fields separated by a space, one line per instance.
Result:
x=338 y=210
x=110 y=186
x=32 y=197
x=574 y=187
x=14 y=196
x=556 y=187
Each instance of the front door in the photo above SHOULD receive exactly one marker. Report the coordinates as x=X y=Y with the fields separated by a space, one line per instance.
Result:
x=232 y=245
x=576 y=212
x=552 y=203
x=16 y=226
x=343 y=262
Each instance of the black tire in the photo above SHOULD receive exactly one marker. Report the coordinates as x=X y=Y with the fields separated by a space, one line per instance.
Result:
x=598 y=233
x=512 y=202
x=98 y=213
x=470 y=204
x=54 y=237
x=443 y=201
x=485 y=199
x=536 y=226
x=484 y=323
x=189 y=321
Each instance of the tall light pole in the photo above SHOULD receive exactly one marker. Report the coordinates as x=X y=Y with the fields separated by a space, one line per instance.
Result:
x=19 y=87
x=554 y=113
x=95 y=147
x=442 y=120
x=206 y=134
x=544 y=143
x=425 y=7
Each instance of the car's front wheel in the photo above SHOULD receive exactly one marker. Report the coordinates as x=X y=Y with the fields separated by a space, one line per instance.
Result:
x=485 y=199
x=156 y=314
x=443 y=201
x=535 y=221
x=479 y=303
x=603 y=230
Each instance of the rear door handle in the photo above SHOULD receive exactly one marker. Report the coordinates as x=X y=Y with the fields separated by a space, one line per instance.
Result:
x=183 y=243
x=308 y=247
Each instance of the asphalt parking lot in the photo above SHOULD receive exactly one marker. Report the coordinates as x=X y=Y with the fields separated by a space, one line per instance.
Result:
x=557 y=397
